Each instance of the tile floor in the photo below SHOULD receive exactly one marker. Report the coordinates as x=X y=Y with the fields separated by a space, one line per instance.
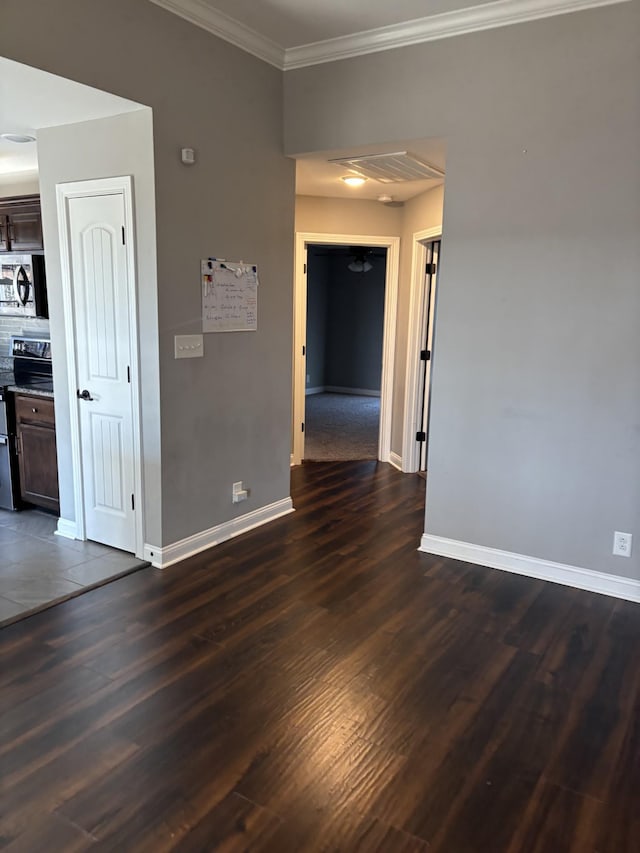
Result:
x=38 y=568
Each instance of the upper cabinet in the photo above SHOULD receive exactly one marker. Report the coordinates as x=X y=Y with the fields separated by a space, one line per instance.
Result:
x=21 y=224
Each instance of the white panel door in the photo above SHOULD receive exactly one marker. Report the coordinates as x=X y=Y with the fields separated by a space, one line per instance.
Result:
x=100 y=283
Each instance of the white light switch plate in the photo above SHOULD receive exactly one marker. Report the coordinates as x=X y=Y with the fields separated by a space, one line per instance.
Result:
x=188 y=346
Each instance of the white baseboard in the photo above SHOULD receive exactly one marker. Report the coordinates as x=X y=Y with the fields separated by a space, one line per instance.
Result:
x=363 y=392
x=395 y=460
x=532 y=567
x=66 y=528
x=339 y=389
x=160 y=558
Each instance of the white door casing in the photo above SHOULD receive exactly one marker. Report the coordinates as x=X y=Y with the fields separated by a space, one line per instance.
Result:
x=96 y=233
x=392 y=244
x=417 y=313
x=426 y=337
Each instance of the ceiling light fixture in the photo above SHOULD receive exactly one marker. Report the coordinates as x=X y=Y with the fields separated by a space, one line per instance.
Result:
x=360 y=262
x=360 y=266
x=19 y=138
x=354 y=180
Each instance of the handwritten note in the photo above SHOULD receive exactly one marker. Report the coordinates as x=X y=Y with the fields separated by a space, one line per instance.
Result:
x=229 y=296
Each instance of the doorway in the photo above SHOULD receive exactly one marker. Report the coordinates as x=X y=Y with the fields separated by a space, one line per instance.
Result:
x=352 y=246
x=344 y=336
x=99 y=290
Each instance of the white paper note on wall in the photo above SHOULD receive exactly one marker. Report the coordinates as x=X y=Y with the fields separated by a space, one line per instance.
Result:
x=229 y=296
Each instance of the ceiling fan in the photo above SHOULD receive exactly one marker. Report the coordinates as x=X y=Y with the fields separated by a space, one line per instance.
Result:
x=360 y=261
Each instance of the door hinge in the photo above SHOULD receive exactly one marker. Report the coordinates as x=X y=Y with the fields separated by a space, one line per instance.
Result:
x=302 y=425
x=425 y=354
x=430 y=269
x=421 y=436
x=133 y=503
x=129 y=374
x=123 y=240
x=304 y=349
x=304 y=270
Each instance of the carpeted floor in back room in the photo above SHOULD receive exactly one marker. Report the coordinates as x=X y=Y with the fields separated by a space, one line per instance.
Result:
x=341 y=427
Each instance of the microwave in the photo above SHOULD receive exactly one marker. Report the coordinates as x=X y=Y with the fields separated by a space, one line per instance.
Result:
x=23 y=286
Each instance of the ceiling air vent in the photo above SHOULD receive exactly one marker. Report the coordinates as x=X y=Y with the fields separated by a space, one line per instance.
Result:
x=390 y=168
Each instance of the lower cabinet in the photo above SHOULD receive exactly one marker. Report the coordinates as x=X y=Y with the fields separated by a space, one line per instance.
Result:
x=37 y=460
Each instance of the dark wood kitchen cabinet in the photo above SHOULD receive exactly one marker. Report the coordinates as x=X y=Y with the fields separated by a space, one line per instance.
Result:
x=21 y=224
x=37 y=460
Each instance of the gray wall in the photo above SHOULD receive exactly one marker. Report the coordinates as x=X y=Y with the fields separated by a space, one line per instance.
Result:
x=108 y=147
x=355 y=325
x=317 y=284
x=535 y=437
x=16 y=183
x=225 y=417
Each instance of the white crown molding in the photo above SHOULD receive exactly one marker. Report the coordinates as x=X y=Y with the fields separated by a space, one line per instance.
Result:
x=160 y=558
x=532 y=567
x=500 y=13
x=202 y=15
x=473 y=19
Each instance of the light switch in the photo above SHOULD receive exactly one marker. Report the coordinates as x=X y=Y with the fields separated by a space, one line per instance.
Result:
x=188 y=346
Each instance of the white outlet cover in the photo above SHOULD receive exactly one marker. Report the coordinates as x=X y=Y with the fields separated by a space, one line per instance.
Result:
x=622 y=544
x=188 y=346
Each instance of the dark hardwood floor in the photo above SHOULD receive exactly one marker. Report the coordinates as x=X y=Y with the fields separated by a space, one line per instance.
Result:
x=318 y=684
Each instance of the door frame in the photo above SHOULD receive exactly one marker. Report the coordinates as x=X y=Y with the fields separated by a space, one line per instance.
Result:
x=410 y=449
x=85 y=189
x=392 y=245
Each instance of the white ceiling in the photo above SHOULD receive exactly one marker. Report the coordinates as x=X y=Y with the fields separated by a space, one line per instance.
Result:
x=31 y=99
x=291 y=23
x=316 y=176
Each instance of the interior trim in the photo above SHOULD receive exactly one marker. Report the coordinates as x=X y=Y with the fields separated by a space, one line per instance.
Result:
x=205 y=16
x=64 y=193
x=392 y=244
x=500 y=13
x=533 y=567
x=412 y=394
x=395 y=460
x=473 y=19
x=359 y=392
x=67 y=529
x=160 y=558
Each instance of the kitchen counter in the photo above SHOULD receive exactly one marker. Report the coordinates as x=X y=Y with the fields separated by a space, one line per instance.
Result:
x=8 y=381
x=29 y=389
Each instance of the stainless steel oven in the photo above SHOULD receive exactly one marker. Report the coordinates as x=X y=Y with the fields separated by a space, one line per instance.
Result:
x=23 y=286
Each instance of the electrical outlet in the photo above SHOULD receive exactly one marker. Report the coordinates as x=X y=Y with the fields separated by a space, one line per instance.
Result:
x=622 y=544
